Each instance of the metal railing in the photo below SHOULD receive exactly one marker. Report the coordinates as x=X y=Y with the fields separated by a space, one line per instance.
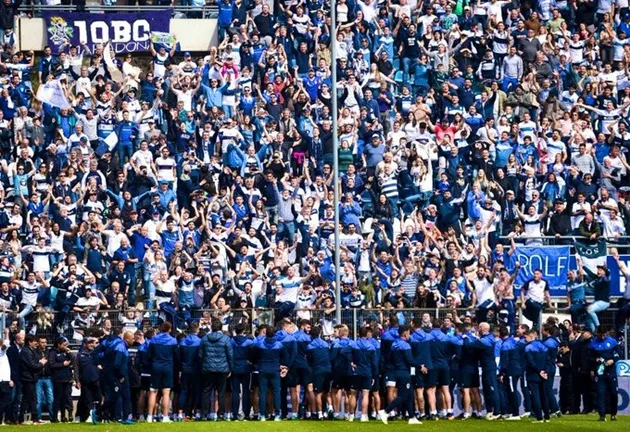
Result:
x=75 y=326
x=202 y=12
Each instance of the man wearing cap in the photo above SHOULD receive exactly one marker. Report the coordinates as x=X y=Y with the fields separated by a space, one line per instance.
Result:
x=61 y=362
x=87 y=378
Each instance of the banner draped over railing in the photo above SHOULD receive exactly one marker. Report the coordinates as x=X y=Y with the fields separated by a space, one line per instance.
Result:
x=553 y=261
x=126 y=32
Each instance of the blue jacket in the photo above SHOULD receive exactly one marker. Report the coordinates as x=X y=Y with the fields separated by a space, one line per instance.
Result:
x=86 y=368
x=342 y=357
x=604 y=349
x=387 y=340
x=290 y=345
x=116 y=357
x=189 y=353
x=365 y=359
x=302 y=340
x=400 y=360
x=420 y=343
x=441 y=348
x=470 y=354
x=510 y=363
x=318 y=355
x=143 y=361
x=535 y=360
x=216 y=353
x=270 y=355
x=242 y=347
x=552 y=345
x=162 y=352
x=485 y=345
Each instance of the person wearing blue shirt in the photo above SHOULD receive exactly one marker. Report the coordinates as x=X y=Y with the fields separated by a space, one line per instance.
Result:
x=536 y=375
x=289 y=381
x=343 y=373
x=441 y=351
x=242 y=346
x=485 y=344
x=190 y=387
x=318 y=356
x=271 y=357
x=420 y=342
x=366 y=368
x=162 y=352
x=115 y=363
x=469 y=371
x=550 y=340
x=510 y=370
x=399 y=364
x=387 y=341
x=301 y=367
x=604 y=352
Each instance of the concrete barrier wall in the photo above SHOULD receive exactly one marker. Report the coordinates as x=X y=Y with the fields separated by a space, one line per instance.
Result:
x=193 y=34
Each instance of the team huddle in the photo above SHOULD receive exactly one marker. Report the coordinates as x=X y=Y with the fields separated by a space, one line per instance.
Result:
x=290 y=372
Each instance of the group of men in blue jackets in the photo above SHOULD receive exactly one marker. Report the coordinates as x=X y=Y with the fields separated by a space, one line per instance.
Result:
x=290 y=371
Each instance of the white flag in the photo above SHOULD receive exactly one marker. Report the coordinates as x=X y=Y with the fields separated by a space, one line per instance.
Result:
x=52 y=93
x=111 y=141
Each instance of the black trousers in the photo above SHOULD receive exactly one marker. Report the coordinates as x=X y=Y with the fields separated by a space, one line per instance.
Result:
x=240 y=385
x=540 y=407
x=566 y=392
x=29 y=400
x=583 y=393
x=213 y=382
x=62 y=400
x=90 y=398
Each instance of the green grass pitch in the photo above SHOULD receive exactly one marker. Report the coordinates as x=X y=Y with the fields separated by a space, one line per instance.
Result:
x=585 y=423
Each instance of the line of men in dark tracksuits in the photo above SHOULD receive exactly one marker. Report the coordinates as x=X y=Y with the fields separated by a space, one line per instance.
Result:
x=291 y=372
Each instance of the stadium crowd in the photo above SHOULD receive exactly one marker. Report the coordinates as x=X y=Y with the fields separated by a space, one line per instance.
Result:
x=191 y=194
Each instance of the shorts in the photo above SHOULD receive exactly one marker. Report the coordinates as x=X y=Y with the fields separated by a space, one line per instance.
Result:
x=161 y=380
x=303 y=377
x=469 y=378
x=343 y=382
x=321 y=382
x=290 y=380
x=417 y=381
x=390 y=379
x=442 y=376
x=253 y=383
x=430 y=379
x=377 y=384
x=362 y=383
x=145 y=382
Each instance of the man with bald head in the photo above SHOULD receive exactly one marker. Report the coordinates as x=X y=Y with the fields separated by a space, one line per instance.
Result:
x=116 y=367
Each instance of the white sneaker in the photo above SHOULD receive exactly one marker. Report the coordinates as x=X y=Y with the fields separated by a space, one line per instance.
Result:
x=167 y=420
x=414 y=421
x=350 y=418
x=491 y=417
x=526 y=414
x=383 y=416
x=364 y=418
x=513 y=418
x=149 y=419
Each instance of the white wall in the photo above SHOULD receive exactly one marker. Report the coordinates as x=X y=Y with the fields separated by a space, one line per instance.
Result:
x=193 y=34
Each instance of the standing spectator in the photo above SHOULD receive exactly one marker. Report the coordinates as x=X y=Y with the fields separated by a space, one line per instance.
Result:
x=61 y=362
x=32 y=365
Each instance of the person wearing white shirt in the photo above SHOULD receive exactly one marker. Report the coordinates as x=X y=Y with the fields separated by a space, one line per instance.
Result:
x=534 y=294
x=613 y=226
